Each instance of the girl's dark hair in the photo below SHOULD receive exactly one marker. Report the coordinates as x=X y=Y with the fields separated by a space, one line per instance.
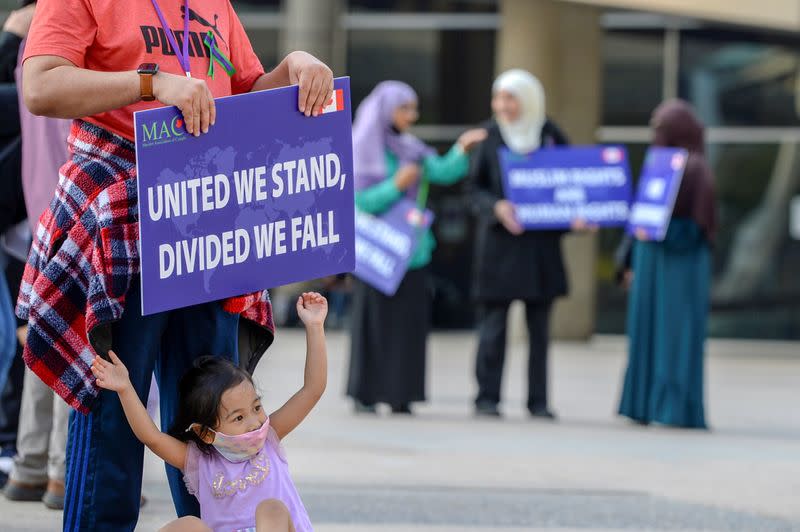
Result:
x=200 y=394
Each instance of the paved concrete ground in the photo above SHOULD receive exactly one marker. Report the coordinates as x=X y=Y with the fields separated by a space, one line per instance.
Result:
x=445 y=471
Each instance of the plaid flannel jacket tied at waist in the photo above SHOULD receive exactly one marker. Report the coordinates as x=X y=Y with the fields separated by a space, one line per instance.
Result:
x=83 y=259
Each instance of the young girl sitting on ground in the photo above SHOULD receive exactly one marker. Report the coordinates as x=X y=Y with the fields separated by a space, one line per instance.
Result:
x=226 y=446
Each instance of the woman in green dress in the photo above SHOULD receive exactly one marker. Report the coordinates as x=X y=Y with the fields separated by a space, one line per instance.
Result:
x=387 y=355
x=669 y=298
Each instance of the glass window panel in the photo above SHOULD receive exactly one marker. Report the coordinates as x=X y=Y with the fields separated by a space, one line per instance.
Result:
x=756 y=286
x=740 y=80
x=452 y=71
x=445 y=6
x=451 y=266
x=633 y=75
x=611 y=300
x=256 y=5
x=266 y=45
x=452 y=90
x=756 y=289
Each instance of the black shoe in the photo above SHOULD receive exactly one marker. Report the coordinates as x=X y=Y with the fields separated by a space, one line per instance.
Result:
x=402 y=409
x=544 y=413
x=487 y=409
x=363 y=408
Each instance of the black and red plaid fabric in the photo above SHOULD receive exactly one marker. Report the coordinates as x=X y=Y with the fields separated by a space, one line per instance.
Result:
x=83 y=259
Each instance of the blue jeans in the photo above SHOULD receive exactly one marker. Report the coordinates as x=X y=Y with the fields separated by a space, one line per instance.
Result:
x=104 y=458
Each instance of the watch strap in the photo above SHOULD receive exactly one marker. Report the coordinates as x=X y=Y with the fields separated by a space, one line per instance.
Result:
x=146 y=86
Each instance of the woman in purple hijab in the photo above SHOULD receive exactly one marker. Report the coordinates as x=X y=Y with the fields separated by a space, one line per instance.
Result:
x=387 y=356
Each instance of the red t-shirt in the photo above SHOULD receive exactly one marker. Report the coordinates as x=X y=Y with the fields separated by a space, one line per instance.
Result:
x=119 y=35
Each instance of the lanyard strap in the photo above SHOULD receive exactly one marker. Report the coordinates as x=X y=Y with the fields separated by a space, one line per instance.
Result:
x=183 y=56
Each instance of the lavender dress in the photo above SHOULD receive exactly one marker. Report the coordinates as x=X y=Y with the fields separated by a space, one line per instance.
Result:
x=229 y=492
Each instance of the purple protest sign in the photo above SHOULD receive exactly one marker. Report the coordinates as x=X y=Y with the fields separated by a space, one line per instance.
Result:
x=265 y=198
x=553 y=187
x=655 y=196
x=385 y=244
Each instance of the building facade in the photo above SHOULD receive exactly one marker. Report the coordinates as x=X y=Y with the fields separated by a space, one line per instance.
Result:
x=605 y=65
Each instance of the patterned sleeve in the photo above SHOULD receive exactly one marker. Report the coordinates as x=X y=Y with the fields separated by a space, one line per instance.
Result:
x=191 y=470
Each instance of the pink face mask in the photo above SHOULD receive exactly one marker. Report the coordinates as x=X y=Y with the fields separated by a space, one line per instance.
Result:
x=242 y=447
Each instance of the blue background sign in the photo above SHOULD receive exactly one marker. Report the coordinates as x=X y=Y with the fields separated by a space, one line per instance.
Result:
x=265 y=198
x=553 y=187
x=386 y=243
x=659 y=183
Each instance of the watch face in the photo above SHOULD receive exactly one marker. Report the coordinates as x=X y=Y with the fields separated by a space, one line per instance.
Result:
x=147 y=68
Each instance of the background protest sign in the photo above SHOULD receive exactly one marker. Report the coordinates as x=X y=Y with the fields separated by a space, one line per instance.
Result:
x=553 y=187
x=659 y=183
x=265 y=198
x=385 y=244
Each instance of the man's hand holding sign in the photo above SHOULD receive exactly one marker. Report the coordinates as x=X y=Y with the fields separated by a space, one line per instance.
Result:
x=193 y=97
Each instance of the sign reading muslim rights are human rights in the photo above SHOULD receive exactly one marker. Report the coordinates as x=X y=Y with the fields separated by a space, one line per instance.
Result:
x=263 y=199
x=552 y=188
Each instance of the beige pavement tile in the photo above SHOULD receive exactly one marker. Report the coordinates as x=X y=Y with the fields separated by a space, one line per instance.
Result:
x=749 y=463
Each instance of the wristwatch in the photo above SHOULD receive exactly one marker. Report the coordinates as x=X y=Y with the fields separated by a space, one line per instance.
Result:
x=146 y=72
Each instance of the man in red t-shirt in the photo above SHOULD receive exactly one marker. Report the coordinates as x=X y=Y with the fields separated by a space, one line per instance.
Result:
x=82 y=56
x=98 y=61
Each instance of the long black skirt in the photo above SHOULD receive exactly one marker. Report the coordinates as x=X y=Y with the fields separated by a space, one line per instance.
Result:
x=388 y=338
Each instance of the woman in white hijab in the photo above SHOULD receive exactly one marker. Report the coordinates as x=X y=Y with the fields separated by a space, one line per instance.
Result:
x=510 y=263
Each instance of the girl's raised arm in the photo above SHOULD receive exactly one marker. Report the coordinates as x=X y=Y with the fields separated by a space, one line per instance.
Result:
x=114 y=376
x=312 y=309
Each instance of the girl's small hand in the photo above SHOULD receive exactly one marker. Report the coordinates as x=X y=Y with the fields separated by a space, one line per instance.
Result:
x=111 y=375
x=312 y=308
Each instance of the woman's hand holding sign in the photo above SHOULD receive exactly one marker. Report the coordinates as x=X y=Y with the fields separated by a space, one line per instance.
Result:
x=506 y=214
x=407 y=176
x=580 y=225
